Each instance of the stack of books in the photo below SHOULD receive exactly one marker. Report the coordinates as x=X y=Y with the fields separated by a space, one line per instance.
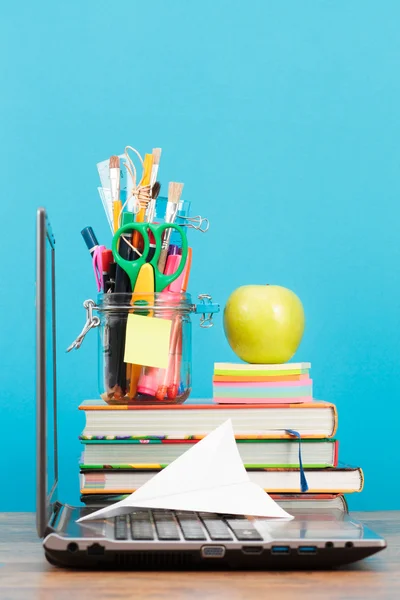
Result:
x=124 y=446
x=264 y=384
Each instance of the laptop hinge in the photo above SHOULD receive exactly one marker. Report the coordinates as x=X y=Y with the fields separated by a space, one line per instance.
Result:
x=59 y=512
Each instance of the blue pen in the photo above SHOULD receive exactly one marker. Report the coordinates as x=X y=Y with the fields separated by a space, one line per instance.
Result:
x=90 y=239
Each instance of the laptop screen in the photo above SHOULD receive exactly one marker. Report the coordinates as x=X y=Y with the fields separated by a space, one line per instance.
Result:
x=46 y=396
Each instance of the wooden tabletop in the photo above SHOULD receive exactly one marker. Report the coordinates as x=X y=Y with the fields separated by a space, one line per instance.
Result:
x=26 y=575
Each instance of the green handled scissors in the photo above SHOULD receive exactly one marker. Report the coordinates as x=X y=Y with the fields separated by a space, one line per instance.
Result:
x=132 y=267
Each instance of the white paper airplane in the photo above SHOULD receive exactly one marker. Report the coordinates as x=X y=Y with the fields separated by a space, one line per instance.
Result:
x=210 y=477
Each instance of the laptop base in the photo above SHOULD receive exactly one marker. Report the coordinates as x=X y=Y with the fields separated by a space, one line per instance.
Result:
x=175 y=540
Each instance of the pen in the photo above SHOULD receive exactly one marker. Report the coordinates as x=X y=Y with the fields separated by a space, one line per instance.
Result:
x=106 y=260
x=95 y=252
x=90 y=239
x=98 y=266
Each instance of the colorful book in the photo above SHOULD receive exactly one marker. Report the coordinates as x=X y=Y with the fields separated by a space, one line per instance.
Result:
x=318 y=503
x=323 y=504
x=334 y=481
x=194 y=421
x=157 y=454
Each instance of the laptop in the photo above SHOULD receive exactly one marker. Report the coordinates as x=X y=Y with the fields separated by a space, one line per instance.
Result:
x=165 y=539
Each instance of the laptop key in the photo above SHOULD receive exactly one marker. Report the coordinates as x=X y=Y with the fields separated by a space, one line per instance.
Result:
x=166 y=527
x=244 y=530
x=121 y=528
x=141 y=526
x=191 y=527
x=217 y=530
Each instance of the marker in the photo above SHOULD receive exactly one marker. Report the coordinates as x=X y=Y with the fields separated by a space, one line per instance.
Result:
x=90 y=239
x=98 y=265
x=106 y=260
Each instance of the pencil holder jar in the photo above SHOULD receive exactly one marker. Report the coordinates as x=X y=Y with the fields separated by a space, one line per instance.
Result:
x=145 y=345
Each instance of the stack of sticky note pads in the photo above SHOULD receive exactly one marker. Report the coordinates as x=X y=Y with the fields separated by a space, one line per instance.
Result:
x=235 y=383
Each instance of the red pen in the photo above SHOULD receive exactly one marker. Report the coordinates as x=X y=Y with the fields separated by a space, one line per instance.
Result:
x=107 y=260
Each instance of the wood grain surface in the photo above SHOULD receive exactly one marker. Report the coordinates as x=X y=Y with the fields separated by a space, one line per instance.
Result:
x=26 y=575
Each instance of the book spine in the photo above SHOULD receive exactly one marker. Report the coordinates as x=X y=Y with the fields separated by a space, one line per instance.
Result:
x=361 y=473
x=344 y=503
x=336 y=453
x=335 y=421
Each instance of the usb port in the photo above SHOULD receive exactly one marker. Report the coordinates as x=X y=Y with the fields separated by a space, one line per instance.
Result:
x=307 y=550
x=280 y=550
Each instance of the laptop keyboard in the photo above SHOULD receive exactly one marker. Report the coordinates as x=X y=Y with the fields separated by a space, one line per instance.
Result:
x=165 y=525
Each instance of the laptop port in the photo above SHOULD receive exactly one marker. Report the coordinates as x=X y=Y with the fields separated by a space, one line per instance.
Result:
x=72 y=547
x=213 y=551
x=280 y=550
x=252 y=549
x=95 y=550
x=307 y=550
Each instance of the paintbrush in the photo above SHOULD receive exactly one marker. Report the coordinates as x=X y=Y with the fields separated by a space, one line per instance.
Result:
x=174 y=196
x=156 y=153
x=115 y=177
x=153 y=182
x=155 y=190
x=151 y=209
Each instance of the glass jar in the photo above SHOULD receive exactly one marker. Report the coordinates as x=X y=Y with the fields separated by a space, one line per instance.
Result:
x=145 y=345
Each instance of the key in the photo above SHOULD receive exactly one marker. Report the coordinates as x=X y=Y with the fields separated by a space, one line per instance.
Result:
x=191 y=527
x=141 y=526
x=244 y=530
x=217 y=530
x=166 y=526
x=121 y=528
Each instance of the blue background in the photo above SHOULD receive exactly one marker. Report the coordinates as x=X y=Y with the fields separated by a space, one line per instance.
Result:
x=282 y=119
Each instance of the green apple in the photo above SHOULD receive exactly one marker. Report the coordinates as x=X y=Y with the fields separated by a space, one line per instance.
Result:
x=264 y=324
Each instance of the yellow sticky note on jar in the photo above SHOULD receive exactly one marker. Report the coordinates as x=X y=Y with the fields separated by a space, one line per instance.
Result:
x=147 y=341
